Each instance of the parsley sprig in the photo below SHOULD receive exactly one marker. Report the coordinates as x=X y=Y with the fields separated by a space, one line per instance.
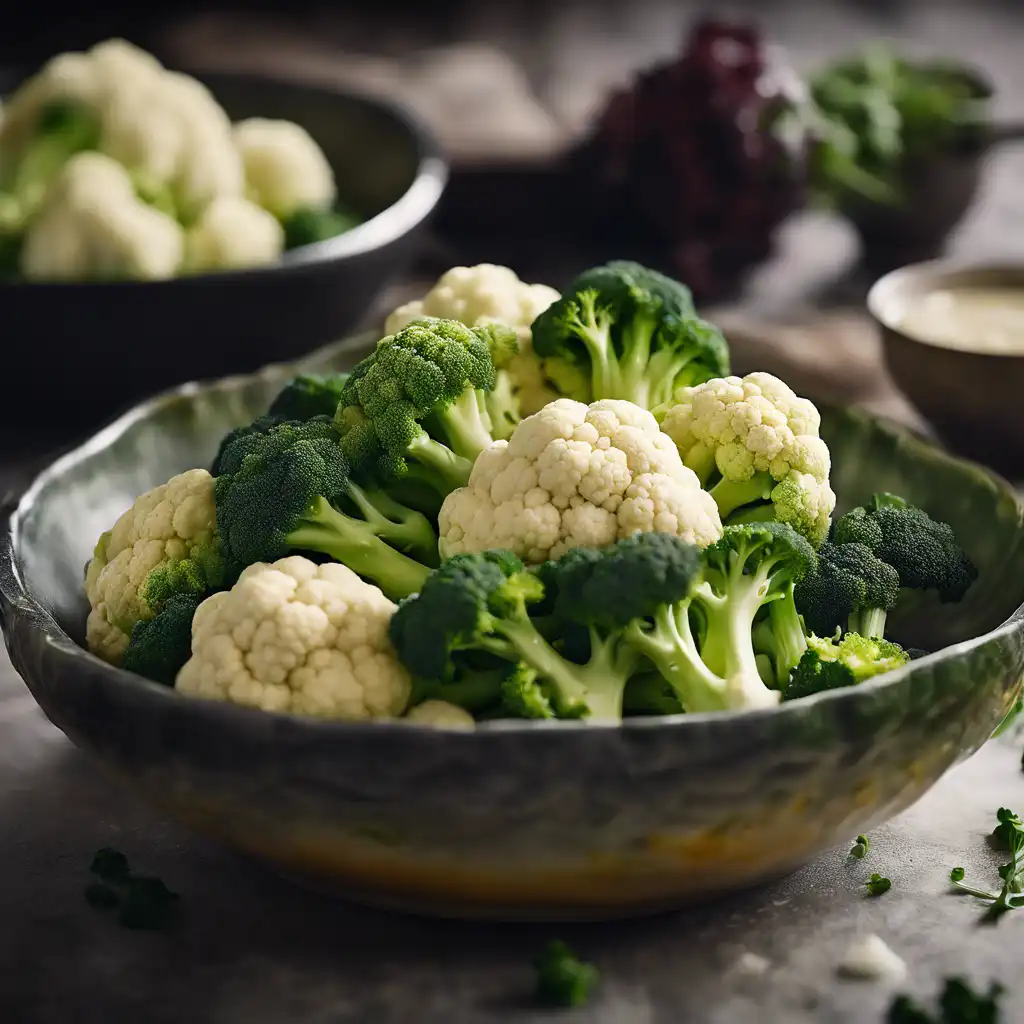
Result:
x=1008 y=835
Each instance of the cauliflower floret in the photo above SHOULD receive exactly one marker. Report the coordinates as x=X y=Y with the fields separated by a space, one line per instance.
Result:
x=165 y=127
x=164 y=526
x=285 y=169
x=231 y=234
x=487 y=294
x=299 y=637
x=93 y=227
x=756 y=441
x=574 y=475
x=441 y=715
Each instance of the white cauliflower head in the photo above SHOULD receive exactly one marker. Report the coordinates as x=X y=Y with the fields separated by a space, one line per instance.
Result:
x=574 y=475
x=92 y=226
x=233 y=233
x=441 y=715
x=165 y=127
x=298 y=637
x=756 y=441
x=285 y=169
x=489 y=294
x=164 y=527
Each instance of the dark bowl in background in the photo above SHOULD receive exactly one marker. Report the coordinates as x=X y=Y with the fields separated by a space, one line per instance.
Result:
x=89 y=350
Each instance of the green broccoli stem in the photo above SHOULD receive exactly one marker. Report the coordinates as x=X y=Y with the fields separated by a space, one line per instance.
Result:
x=593 y=691
x=663 y=373
x=731 y=495
x=466 y=424
x=633 y=364
x=475 y=692
x=788 y=637
x=403 y=528
x=329 y=532
x=672 y=648
x=503 y=407
x=869 y=622
x=439 y=465
x=595 y=333
x=701 y=459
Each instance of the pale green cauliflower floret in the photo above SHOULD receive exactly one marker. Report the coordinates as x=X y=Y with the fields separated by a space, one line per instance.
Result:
x=298 y=637
x=574 y=475
x=285 y=169
x=755 y=444
x=233 y=233
x=167 y=524
x=488 y=294
x=92 y=226
x=441 y=715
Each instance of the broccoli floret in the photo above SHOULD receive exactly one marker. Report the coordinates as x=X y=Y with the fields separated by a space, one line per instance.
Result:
x=416 y=406
x=160 y=646
x=830 y=664
x=63 y=129
x=481 y=602
x=502 y=403
x=852 y=590
x=923 y=551
x=704 y=645
x=309 y=395
x=308 y=225
x=633 y=332
x=563 y=980
x=286 y=488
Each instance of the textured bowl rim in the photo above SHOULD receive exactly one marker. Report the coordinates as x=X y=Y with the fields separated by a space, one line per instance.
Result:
x=27 y=612
x=383 y=228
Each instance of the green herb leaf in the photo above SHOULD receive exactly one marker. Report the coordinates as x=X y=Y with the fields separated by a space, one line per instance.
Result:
x=563 y=980
x=957 y=875
x=110 y=865
x=958 y=1004
x=876 y=885
x=860 y=847
x=1007 y=835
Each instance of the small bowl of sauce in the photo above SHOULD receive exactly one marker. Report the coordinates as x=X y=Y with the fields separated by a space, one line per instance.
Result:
x=953 y=338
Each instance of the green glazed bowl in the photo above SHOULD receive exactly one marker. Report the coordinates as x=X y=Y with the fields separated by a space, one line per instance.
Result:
x=518 y=820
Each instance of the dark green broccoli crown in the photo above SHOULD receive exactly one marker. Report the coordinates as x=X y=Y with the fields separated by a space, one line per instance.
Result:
x=610 y=587
x=623 y=293
x=815 y=674
x=923 y=551
x=755 y=543
x=268 y=482
x=309 y=395
x=160 y=646
x=452 y=610
x=258 y=426
x=849 y=578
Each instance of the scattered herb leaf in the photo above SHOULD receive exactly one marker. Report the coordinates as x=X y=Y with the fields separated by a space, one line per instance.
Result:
x=1008 y=835
x=876 y=885
x=563 y=980
x=141 y=902
x=109 y=866
x=958 y=1004
x=860 y=847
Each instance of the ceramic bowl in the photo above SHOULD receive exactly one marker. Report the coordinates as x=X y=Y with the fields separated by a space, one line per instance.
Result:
x=971 y=398
x=93 y=349
x=518 y=820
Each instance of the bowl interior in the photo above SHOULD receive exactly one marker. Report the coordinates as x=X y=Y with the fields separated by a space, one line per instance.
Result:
x=82 y=495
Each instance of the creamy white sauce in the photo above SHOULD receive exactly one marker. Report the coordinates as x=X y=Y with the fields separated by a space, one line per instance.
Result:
x=973 y=319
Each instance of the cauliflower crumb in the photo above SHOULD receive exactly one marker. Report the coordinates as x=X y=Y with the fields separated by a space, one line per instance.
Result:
x=298 y=637
x=869 y=958
x=441 y=715
x=574 y=475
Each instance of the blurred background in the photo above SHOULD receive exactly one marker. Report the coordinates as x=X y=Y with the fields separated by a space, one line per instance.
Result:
x=577 y=131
